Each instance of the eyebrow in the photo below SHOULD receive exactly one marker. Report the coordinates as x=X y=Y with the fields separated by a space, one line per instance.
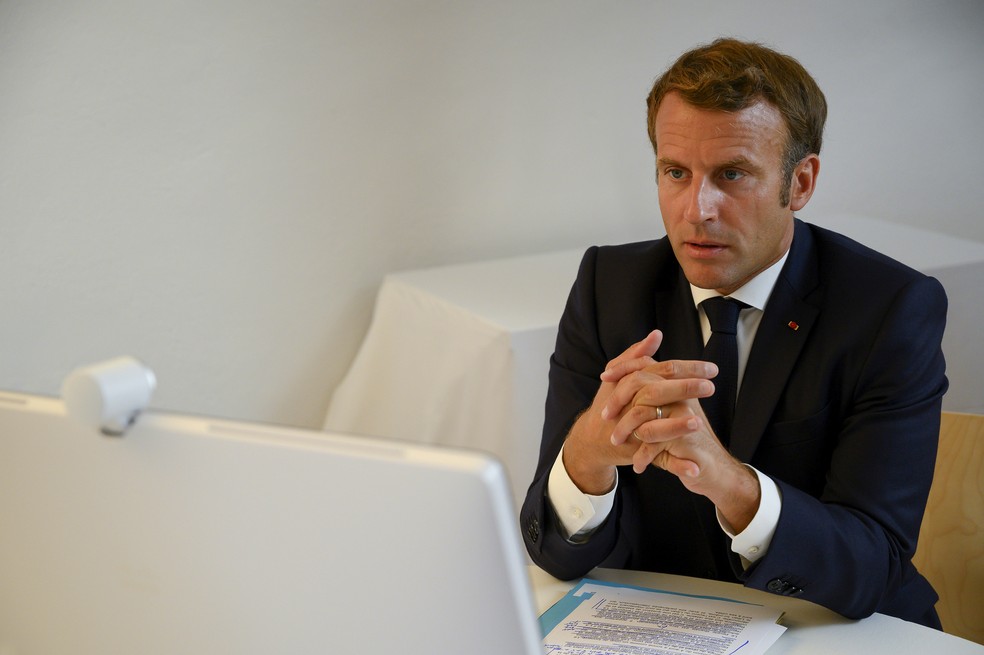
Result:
x=737 y=162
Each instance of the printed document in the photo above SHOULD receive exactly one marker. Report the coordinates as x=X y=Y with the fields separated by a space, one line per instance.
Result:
x=600 y=618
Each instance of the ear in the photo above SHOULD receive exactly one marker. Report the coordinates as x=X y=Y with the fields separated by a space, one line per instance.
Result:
x=804 y=181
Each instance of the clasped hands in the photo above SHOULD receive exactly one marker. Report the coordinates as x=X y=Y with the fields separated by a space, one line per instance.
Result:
x=648 y=413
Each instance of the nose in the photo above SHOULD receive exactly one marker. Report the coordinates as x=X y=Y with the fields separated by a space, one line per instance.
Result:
x=703 y=202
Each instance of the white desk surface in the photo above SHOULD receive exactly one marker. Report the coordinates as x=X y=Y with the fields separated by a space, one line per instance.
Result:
x=811 y=629
x=515 y=294
x=922 y=249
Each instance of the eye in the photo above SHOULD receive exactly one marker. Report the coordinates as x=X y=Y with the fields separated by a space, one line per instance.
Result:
x=673 y=173
x=732 y=174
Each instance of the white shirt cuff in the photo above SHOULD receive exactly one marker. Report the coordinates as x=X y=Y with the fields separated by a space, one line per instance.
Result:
x=579 y=513
x=753 y=542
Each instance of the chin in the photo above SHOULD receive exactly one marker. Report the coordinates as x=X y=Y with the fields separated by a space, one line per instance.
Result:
x=703 y=279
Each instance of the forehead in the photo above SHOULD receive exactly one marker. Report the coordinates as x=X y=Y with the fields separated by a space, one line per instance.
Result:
x=683 y=130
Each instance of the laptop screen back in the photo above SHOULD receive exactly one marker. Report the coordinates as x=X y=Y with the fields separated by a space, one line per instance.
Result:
x=194 y=535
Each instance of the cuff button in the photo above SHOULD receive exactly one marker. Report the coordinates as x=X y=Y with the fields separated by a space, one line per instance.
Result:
x=533 y=530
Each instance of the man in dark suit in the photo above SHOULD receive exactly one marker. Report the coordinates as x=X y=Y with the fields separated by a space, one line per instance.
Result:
x=812 y=478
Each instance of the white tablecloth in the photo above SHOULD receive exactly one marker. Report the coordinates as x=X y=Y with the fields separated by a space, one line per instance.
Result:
x=458 y=355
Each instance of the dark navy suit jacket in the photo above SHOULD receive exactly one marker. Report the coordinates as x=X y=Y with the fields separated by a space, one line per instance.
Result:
x=840 y=405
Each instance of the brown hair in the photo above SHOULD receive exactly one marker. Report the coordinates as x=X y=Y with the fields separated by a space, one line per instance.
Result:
x=729 y=75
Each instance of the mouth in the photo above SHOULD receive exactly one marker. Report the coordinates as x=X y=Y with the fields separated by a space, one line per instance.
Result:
x=704 y=249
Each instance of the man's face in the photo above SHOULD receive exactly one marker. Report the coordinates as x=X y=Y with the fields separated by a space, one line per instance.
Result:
x=720 y=182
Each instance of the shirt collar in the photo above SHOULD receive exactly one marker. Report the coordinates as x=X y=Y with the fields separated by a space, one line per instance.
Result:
x=754 y=293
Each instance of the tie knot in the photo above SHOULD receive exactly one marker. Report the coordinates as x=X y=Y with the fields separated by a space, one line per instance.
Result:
x=722 y=313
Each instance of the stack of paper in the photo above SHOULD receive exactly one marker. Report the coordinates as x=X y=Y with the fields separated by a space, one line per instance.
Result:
x=601 y=618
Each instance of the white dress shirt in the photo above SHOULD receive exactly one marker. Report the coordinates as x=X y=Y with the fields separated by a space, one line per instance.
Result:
x=580 y=513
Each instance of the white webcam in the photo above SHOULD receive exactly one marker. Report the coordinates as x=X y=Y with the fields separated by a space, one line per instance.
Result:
x=109 y=395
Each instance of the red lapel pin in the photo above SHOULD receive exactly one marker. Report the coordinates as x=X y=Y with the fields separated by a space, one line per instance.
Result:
x=793 y=325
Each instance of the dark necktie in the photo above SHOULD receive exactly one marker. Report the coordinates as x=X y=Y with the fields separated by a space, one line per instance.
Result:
x=722 y=349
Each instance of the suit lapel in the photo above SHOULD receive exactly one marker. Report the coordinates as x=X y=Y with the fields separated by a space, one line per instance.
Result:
x=782 y=333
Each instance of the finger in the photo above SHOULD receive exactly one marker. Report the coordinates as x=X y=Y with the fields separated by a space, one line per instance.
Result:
x=642 y=424
x=647 y=347
x=666 y=392
x=617 y=370
x=670 y=369
x=653 y=455
x=645 y=455
x=643 y=389
x=642 y=457
x=682 y=468
x=678 y=369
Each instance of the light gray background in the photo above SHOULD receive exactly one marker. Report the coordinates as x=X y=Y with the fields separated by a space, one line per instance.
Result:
x=218 y=187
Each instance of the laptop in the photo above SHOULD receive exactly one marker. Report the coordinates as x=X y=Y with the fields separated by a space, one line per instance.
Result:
x=194 y=535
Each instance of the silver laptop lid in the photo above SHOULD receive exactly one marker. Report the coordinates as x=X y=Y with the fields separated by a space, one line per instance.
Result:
x=191 y=535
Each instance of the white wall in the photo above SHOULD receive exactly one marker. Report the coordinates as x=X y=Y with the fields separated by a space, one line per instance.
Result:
x=218 y=186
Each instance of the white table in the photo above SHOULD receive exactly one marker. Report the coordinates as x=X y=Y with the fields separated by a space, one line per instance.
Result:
x=811 y=629
x=458 y=355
